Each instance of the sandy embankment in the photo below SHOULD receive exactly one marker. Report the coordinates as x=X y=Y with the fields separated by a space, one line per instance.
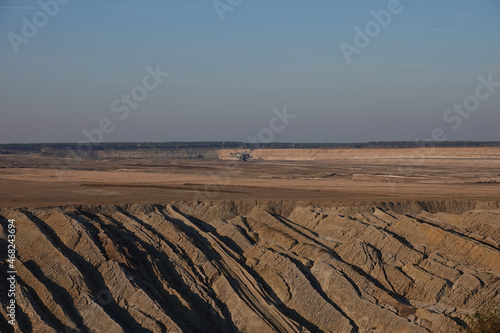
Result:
x=404 y=153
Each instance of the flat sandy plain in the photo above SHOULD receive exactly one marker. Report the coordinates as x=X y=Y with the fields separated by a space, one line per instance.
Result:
x=275 y=174
x=374 y=240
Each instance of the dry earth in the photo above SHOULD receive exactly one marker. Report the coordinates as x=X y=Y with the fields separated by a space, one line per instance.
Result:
x=341 y=175
x=362 y=241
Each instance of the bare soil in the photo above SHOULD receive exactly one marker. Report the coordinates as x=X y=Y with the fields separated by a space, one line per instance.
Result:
x=291 y=241
x=340 y=175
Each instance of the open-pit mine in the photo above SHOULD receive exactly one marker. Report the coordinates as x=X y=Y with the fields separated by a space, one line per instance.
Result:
x=292 y=240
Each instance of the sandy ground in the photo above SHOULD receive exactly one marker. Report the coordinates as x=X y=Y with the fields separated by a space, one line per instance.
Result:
x=319 y=241
x=340 y=175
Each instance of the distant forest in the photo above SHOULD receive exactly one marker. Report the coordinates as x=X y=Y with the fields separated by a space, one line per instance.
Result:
x=51 y=147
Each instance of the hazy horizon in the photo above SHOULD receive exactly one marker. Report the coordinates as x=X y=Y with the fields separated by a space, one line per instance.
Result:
x=422 y=142
x=230 y=66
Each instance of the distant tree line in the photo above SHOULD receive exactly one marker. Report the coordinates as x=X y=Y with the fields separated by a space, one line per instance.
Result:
x=51 y=147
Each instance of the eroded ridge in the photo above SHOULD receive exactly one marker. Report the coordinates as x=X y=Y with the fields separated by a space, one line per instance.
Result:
x=253 y=267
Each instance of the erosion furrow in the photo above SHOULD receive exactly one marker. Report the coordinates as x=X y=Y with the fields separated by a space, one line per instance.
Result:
x=253 y=267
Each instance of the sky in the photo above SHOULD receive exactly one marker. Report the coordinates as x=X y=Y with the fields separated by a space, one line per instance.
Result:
x=271 y=70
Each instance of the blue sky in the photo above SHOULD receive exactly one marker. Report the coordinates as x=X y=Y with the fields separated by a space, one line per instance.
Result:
x=227 y=76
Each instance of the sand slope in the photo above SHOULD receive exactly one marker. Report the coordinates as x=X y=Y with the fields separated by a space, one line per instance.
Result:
x=254 y=267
